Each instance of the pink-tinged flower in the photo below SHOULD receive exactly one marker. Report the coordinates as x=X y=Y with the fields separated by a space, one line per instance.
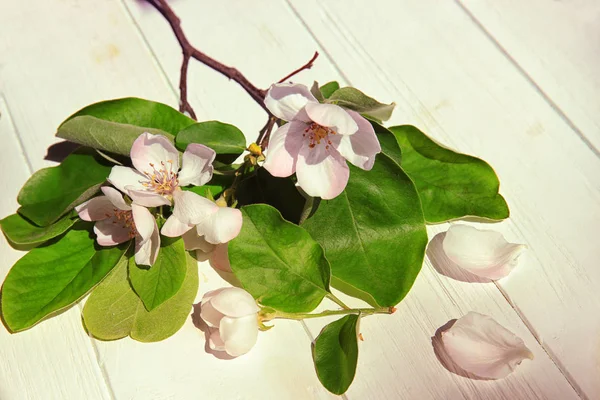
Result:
x=232 y=318
x=217 y=254
x=157 y=177
x=317 y=141
x=118 y=222
x=195 y=216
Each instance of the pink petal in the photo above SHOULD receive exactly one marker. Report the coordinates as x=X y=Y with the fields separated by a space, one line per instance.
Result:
x=215 y=342
x=95 y=209
x=110 y=232
x=145 y=224
x=146 y=251
x=191 y=208
x=362 y=147
x=146 y=198
x=332 y=116
x=222 y=226
x=210 y=315
x=210 y=294
x=195 y=242
x=174 y=227
x=197 y=168
x=121 y=177
x=154 y=151
x=234 y=302
x=219 y=258
x=116 y=198
x=284 y=146
x=321 y=172
x=285 y=100
x=239 y=334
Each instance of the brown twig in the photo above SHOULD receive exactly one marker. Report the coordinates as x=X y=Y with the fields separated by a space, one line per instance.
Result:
x=308 y=65
x=184 y=105
x=265 y=133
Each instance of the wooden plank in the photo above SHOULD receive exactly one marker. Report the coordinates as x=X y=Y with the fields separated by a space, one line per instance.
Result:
x=447 y=78
x=554 y=43
x=399 y=362
x=54 y=360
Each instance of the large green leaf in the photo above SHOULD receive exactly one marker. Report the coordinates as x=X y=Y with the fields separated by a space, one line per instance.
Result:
x=388 y=142
x=281 y=193
x=216 y=186
x=373 y=234
x=138 y=112
x=278 y=262
x=451 y=185
x=52 y=192
x=108 y=136
x=54 y=276
x=20 y=231
x=114 y=311
x=329 y=88
x=225 y=139
x=335 y=354
x=164 y=278
x=354 y=99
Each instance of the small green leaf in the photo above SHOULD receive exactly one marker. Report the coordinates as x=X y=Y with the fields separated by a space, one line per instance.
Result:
x=112 y=137
x=373 y=234
x=388 y=142
x=329 y=88
x=225 y=139
x=356 y=100
x=138 y=112
x=114 y=311
x=281 y=193
x=52 y=277
x=161 y=281
x=20 y=231
x=217 y=185
x=451 y=185
x=335 y=354
x=278 y=262
x=52 y=192
x=317 y=92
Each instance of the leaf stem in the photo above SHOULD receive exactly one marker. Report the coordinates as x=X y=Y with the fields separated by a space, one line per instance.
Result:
x=337 y=301
x=362 y=311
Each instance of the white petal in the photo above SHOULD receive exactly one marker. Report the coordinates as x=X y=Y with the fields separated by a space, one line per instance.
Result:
x=481 y=252
x=215 y=342
x=146 y=251
x=195 y=242
x=284 y=145
x=322 y=173
x=222 y=226
x=191 y=208
x=483 y=347
x=239 y=334
x=234 y=302
x=152 y=151
x=332 y=116
x=196 y=165
x=145 y=224
x=285 y=100
x=210 y=294
x=173 y=227
x=146 y=198
x=110 y=232
x=362 y=147
x=210 y=315
x=219 y=258
x=95 y=209
x=121 y=177
x=116 y=198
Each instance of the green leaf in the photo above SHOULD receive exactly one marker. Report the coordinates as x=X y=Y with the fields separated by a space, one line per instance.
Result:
x=335 y=354
x=278 y=262
x=281 y=193
x=329 y=88
x=225 y=139
x=161 y=281
x=373 y=234
x=217 y=185
x=52 y=192
x=356 y=100
x=19 y=231
x=451 y=185
x=138 y=112
x=388 y=142
x=114 y=311
x=317 y=92
x=52 y=277
x=112 y=137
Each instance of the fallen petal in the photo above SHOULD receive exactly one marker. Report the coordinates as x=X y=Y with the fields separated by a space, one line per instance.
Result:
x=483 y=347
x=482 y=252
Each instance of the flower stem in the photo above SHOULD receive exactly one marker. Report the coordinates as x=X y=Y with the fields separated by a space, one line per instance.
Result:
x=362 y=311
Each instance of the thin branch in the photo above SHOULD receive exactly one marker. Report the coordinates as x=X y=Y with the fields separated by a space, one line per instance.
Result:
x=184 y=105
x=308 y=65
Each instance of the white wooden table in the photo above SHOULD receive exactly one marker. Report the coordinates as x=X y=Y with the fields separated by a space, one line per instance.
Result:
x=516 y=82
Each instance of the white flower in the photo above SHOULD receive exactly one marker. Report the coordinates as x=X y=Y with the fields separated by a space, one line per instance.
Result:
x=217 y=254
x=481 y=252
x=317 y=141
x=156 y=179
x=483 y=347
x=118 y=222
x=232 y=317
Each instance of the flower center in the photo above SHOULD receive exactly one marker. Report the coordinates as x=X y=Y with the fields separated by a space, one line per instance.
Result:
x=162 y=180
x=124 y=217
x=317 y=134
